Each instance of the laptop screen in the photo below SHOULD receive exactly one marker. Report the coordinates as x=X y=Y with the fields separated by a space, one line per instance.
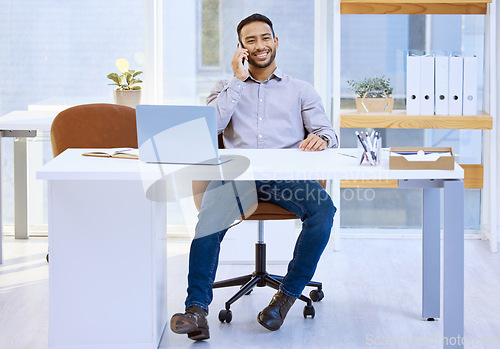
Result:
x=177 y=134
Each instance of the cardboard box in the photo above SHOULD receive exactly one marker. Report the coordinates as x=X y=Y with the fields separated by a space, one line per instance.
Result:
x=444 y=162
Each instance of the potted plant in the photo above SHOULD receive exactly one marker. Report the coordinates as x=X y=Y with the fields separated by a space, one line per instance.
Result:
x=127 y=93
x=373 y=94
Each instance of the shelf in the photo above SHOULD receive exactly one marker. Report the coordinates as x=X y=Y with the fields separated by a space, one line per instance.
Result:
x=473 y=179
x=399 y=119
x=414 y=7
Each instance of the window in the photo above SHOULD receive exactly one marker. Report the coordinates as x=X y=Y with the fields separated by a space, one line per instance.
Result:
x=59 y=53
x=210 y=36
x=213 y=33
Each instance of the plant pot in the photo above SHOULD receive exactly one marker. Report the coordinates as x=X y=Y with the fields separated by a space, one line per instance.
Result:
x=129 y=98
x=374 y=105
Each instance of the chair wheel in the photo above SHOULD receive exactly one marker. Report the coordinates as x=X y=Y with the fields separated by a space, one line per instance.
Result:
x=225 y=316
x=316 y=295
x=309 y=311
x=47 y=257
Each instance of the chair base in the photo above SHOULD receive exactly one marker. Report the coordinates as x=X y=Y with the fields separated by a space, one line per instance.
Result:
x=261 y=278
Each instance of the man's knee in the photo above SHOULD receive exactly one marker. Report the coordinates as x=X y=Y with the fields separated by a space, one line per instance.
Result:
x=326 y=208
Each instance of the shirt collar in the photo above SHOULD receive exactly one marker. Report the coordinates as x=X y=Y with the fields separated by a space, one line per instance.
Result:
x=276 y=73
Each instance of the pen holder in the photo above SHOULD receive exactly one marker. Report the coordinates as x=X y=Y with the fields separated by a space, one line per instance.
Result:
x=371 y=148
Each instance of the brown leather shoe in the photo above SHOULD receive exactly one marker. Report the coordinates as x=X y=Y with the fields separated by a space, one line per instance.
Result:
x=193 y=323
x=272 y=316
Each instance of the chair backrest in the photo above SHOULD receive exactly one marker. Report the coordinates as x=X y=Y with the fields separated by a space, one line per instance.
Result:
x=94 y=126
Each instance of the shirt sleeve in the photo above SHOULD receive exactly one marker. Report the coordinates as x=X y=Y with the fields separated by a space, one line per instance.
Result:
x=224 y=96
x=314 y=116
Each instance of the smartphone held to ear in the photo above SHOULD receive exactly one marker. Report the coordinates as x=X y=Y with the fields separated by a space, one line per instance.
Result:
x=238 y=45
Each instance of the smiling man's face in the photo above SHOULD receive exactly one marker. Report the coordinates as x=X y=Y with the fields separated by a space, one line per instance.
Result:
x=257 y=38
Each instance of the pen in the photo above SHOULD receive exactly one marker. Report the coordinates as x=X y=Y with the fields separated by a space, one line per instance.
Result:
x=371 y=149
x=362 y=145
x=122 y=150
x=375 y=146
x=377 y=143
x=351 y=156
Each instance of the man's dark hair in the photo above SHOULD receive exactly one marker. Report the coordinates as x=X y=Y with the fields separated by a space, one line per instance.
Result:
x=256 y=17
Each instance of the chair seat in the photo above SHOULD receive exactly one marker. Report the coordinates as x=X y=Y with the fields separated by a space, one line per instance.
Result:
x=268 y=211
x=264 y=211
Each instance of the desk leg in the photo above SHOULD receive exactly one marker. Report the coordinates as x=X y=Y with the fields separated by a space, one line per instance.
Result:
x=20 y=189
x=431 y=253
x=453 y=263
x=1 y=196
x=335 y=190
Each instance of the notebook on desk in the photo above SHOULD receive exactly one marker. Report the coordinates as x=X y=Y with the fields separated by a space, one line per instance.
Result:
x=177 y=134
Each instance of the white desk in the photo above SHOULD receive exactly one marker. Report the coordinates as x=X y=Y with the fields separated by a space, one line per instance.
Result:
x=99 y=218
x=21 y=125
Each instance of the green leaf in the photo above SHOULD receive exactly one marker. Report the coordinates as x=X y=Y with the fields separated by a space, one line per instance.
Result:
x=136 y=73
x=128 y=77
x=117 y=79
x=135 y=88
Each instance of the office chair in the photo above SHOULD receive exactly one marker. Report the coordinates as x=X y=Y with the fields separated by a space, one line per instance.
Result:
x=260 y=277
x=93 y=126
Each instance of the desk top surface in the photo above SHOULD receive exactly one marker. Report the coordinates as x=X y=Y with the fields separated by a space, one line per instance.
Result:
x=27 y=120
x=245 y=164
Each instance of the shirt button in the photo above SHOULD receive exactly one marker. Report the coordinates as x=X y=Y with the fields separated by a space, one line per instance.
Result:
x=239 y=86
x=261 y=100
x=232 y=101
x=260 y=119
x=260 y=136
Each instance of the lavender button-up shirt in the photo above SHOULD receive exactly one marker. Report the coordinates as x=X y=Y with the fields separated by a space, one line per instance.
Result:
x=276 y=113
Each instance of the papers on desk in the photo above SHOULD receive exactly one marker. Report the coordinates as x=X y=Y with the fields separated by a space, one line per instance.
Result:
x=421 y=155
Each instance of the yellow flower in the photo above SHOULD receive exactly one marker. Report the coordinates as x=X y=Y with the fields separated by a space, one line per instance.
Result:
x=122 y=65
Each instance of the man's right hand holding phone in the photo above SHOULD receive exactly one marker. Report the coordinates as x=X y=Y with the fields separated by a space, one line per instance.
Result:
x=239 y=57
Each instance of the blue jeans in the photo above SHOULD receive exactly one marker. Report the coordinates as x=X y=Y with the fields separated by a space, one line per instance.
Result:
x=307 y=199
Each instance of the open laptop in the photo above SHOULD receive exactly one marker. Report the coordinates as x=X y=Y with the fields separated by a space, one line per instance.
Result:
x=177 y=134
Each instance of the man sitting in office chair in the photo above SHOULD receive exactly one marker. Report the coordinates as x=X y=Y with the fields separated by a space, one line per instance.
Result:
x=263 y=108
